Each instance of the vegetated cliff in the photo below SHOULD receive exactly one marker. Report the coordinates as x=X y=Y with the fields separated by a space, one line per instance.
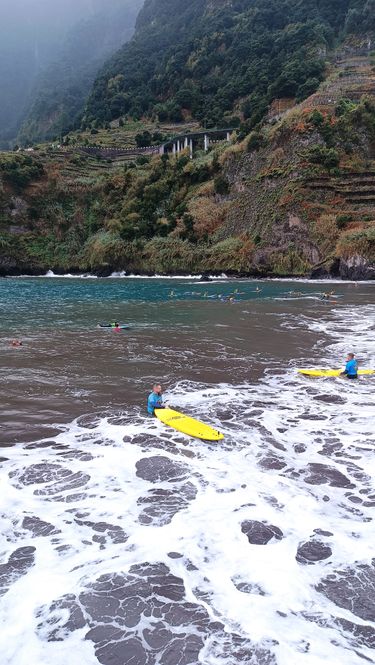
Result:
x=224 y=61
x=295 y=196
x=61 y=90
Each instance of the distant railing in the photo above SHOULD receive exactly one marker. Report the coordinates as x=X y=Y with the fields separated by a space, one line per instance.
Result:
x=174 y=145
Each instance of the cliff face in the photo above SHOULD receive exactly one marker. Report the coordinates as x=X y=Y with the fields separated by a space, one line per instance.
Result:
x=305 y=187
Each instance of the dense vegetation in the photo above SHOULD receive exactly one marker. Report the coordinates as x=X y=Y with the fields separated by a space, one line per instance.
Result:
x=171 y=214
x=62 y=88
x=284 y=197
x=213 y=61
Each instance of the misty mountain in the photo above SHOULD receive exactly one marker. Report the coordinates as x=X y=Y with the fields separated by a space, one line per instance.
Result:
x=215 y=60
x=49 y=55
x=30 y=31
x=62 y=88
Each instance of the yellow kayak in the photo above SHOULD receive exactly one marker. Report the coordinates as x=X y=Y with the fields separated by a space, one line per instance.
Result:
x=188 y=425
x=332 y=372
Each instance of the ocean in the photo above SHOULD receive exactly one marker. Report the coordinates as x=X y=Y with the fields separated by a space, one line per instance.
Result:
x=125 y=542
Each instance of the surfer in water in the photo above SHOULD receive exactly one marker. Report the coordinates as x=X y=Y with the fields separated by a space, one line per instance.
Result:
x=351 y=367
x=155 y=399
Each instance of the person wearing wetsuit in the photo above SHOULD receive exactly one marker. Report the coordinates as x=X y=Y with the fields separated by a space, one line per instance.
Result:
x=155 y=399
x=351 y=367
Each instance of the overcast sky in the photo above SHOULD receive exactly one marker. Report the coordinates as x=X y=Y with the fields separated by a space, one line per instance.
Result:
x=40 y=17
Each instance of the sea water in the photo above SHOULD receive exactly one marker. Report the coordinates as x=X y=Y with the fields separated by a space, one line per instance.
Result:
x=123 y=541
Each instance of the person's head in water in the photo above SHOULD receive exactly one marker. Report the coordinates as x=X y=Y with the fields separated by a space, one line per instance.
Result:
x=157 y=389
x=16 y=342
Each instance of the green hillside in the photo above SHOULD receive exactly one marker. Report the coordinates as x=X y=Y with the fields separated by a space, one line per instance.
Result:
x=291 y=193
x=211 y=61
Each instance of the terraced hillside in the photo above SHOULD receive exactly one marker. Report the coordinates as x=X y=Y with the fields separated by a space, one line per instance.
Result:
x=295 y=196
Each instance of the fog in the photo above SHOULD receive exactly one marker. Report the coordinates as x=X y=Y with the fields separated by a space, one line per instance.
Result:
x=31 y=32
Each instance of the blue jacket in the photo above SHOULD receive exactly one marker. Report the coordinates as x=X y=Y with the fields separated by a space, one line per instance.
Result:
x=351 y=368
x=154 y=401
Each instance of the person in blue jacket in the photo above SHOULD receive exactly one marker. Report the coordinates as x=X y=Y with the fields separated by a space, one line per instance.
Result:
x=351 y=367
x=155 y=399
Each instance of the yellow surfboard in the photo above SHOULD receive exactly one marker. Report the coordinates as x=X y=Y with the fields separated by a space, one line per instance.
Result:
x=188 y=425
x=332 y=372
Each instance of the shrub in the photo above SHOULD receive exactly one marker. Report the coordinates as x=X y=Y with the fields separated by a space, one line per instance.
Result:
x=343 y=220
x=288 y=263
x=221 y=185
x=232 y=254
x=208 y=215
x=327 y=157
x=254 y=142
x=360 y=242
x=163 y=255
x=20 y=170
x=104 y=249
x=142 y=159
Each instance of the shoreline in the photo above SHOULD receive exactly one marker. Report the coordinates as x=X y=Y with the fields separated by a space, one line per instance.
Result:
x=200 y=278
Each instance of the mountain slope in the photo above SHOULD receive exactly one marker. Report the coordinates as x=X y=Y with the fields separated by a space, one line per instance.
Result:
x=296 y=196
x=212 y=60
x=62 y=88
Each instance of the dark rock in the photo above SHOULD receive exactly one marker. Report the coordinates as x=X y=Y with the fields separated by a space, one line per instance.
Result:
x=313 y=551
x=357 y=268
x=260 y=533
x=320 y=273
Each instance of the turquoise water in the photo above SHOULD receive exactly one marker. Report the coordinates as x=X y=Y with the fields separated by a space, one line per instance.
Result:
x=26 y=303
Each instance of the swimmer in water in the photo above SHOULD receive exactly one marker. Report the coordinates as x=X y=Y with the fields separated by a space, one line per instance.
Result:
x=155 y=399
x=15 y=343
x=351 y=367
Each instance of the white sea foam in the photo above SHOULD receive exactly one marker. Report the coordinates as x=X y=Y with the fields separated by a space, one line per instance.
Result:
x=290 y=442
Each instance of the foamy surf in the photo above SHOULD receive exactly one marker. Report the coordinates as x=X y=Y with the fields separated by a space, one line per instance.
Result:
x=126 y=542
